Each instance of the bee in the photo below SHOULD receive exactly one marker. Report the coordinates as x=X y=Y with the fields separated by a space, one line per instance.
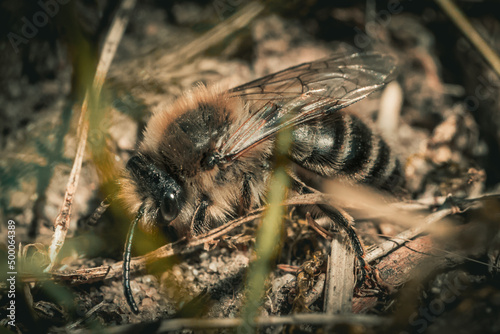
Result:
x=208 y=158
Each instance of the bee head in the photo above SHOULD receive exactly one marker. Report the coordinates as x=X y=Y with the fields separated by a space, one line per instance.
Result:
x=162 y=195
x=157 y=197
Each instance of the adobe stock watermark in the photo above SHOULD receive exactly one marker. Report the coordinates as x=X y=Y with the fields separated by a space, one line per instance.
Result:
x=488 y=86
x=487 y=89
x=30 y=28
x=421 y=319
x=11 y=273
x=381 y=19
x=224 y=7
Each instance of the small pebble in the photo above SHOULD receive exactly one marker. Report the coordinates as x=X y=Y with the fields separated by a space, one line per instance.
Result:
x=177 y=271
x=213 y=267
x=150 y=292
x=156 y=296
x=147 y=302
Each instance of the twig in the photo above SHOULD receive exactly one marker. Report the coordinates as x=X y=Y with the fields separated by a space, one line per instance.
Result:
x=397 y=241
x=402 y=265
x=86 y=316
x=89 y=275
x=471 y=33
x=61 y=223
x=139 y=263
x=316 y=291
x=450 y=206
x=180 y=247
x=421 y=255
x=319 y=229
x=295 y=319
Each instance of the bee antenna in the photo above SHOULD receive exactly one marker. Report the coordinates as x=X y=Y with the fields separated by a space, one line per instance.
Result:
x=126 y=263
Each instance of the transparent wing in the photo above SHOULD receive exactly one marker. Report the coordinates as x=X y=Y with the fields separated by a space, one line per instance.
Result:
x=304 y=92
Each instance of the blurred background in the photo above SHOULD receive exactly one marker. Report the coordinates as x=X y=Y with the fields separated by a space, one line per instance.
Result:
x=441 y=115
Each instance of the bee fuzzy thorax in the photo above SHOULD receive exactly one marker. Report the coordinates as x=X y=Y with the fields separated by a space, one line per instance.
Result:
x=211 y=103
x=178 y=142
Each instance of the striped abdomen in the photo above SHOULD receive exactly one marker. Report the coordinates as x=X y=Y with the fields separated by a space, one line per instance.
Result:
x=343 y=145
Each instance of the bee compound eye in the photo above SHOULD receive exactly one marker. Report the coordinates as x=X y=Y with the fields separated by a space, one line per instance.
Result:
x=169 y=207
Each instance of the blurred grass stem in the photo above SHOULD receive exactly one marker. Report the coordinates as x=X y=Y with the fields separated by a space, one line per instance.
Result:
x=267 y=243
x=471 y=33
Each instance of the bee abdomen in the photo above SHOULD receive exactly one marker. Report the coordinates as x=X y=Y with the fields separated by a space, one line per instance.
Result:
x=344 y=145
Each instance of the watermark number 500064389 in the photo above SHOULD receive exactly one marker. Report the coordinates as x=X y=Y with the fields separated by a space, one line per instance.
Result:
x=11 y=273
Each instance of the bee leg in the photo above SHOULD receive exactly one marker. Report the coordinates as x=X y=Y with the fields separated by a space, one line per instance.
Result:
x=341 y=218
x=246 y=194
x=198 y=223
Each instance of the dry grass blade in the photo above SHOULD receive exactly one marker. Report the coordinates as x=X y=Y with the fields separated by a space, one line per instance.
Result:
x=340 y=277
x=268 y=237
x=397 y=241
x=159 y=66
x=268 y=243
x=449 y=207
x=404 y=260
x=212 y=37
x=471 y=33
x=61 y=223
